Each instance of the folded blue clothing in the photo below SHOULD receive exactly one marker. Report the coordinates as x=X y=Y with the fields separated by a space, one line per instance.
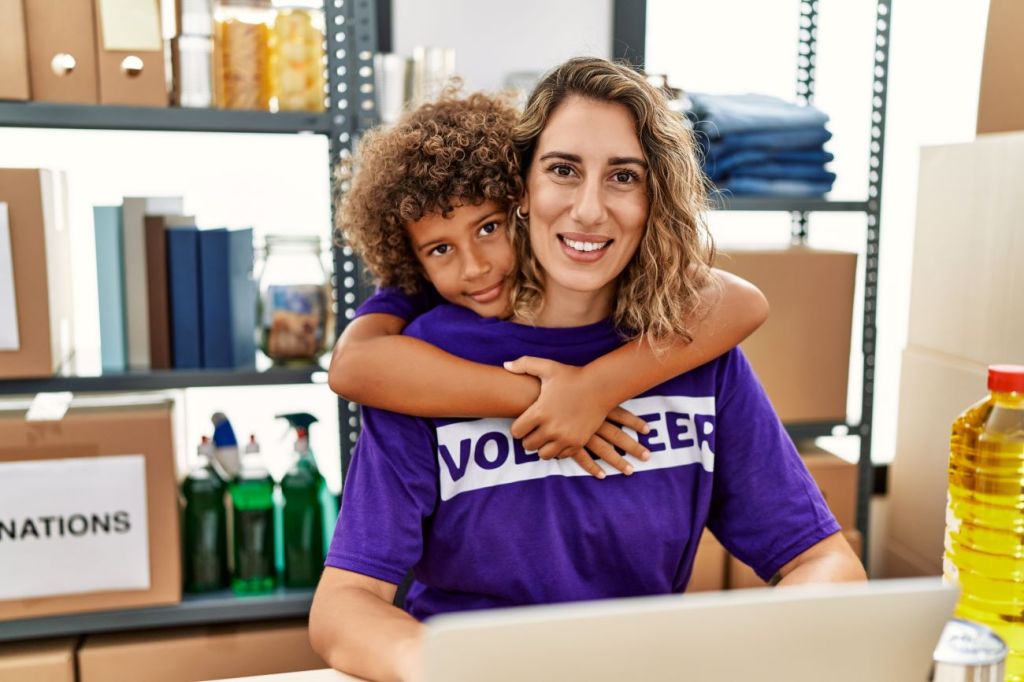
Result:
x=785 y=171
x=721 y=115
x=763 y=187
x=717 y=166
x=779 y=140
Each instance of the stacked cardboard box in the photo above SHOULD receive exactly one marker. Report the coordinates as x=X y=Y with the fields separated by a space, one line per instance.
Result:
x=74 y=539
x=39 y=661
x=966 y=312
x=802 y=353
x=200 y=653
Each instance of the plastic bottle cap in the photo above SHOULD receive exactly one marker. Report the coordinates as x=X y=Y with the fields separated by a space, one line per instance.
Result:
x=1006 y=378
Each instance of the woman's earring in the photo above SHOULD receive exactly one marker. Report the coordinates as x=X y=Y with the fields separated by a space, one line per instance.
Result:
x=520 y=214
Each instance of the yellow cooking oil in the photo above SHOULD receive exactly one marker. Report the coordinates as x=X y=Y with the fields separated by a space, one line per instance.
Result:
x=984 y=546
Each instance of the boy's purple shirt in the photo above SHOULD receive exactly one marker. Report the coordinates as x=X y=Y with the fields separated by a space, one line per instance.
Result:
x=482 y=523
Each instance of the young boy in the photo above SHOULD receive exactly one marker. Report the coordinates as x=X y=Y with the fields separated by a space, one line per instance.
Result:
x=427 y=211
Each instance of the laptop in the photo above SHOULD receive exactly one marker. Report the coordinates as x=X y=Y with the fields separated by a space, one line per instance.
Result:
x=877 y=632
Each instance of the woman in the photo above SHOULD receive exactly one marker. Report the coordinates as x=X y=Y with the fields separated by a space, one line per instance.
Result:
x=611 y=244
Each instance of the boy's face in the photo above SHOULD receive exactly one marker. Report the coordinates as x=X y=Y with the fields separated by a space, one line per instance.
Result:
x=467 y=256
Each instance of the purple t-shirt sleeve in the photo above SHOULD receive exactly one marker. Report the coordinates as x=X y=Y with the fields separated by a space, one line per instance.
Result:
x=394 y=301
x=390 y=489
x=765 y=507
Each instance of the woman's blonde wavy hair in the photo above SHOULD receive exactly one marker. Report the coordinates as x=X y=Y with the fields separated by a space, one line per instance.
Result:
x=662 y=290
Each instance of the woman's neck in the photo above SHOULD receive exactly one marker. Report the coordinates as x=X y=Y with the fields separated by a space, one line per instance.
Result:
x=569 y=308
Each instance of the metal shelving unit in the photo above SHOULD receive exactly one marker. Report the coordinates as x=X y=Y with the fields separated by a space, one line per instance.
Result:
x=157 y=380
x=629 y=42
x=351 y=42
x=207 y=609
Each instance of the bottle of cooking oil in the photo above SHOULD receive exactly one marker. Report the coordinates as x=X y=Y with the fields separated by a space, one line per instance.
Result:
x=985 y=514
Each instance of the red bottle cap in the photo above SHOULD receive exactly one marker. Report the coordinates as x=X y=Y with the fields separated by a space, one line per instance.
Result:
x=1006 y=378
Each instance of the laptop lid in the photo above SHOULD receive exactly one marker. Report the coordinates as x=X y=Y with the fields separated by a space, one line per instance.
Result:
x=878 y=631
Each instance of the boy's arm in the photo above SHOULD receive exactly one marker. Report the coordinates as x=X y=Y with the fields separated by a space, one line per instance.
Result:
x=628 y=371
x=373 y=364
x=372 y=359
x=355 y=628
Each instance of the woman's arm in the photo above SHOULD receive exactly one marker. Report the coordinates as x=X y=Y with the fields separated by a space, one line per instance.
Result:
x=355 y=628
x=628 y=371
x=830 y=561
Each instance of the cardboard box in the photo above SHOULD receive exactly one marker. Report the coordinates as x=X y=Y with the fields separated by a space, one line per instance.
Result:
x=40 y=247
x=965 y=299
x=709 y=565
x=38 y=661
x=58 y=30
x=802 y=353
x=741 y=576
x=130 y=60
x=13 y=52
x=202 y=653
x=142 y=428
x=934 y=390
x=1001 y=96
x=837 y=480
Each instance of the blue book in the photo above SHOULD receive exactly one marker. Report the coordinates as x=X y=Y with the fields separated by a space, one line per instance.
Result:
x=218 y=345
x=110 y=287
x=184 y=285
x=243 y=297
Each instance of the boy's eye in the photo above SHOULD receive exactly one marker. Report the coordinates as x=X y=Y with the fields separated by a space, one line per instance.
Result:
x=440 y=249
x=562 y=170
x=490 y=228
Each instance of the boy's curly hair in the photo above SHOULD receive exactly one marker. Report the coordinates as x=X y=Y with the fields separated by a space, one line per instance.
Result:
x=452 y=152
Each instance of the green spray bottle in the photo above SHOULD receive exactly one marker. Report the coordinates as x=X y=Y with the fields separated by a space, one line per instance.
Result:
x=252 y=502
x=307 y=503
x=204 y=527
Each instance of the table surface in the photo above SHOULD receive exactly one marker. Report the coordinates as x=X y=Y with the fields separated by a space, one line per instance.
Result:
x=326 y=675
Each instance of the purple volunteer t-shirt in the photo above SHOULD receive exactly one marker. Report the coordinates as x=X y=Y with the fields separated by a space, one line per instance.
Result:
x=394 y=301
x=483 y=523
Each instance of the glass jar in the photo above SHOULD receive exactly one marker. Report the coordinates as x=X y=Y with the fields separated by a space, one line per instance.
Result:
x=242 y=53
x=297 y=58
x=295 y=308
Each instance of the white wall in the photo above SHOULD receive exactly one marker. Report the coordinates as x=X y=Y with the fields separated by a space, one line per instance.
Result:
x=493 y=39
x=935 y=58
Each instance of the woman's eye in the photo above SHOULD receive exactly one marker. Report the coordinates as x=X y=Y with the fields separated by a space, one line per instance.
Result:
x=490 y=228
x=440 y=249
x=625 y=176
x=562 y=170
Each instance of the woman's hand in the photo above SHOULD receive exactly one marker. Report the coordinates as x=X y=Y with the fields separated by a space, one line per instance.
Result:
x=568 y=420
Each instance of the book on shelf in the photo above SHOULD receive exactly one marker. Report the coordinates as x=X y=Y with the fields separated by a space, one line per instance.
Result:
x=184 y=286
x=228 y=296
x=157 y=286
x=110 y=287
x=134 y=211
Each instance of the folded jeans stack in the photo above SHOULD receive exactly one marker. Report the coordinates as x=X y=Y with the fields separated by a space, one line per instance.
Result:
x=758 y=145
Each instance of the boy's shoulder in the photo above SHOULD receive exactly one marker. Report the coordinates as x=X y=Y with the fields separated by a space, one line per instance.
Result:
x=439 y=325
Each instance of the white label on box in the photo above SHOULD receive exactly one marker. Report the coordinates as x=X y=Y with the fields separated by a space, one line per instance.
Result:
x=71 y=526
x=130 y=25
x=8 y=301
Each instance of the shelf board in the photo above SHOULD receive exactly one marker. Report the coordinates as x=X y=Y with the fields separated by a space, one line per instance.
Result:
x=217 y=607
x=165 y=379
x=808 y=430
x=810 y=205
x=104 y=117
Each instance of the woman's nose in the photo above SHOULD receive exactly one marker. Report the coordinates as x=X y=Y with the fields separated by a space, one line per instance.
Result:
x=588 y=204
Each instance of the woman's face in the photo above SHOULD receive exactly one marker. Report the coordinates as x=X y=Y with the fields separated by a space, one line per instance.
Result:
x=586 y=194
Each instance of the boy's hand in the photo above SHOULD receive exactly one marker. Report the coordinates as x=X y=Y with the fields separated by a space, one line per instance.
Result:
x=566 y=418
